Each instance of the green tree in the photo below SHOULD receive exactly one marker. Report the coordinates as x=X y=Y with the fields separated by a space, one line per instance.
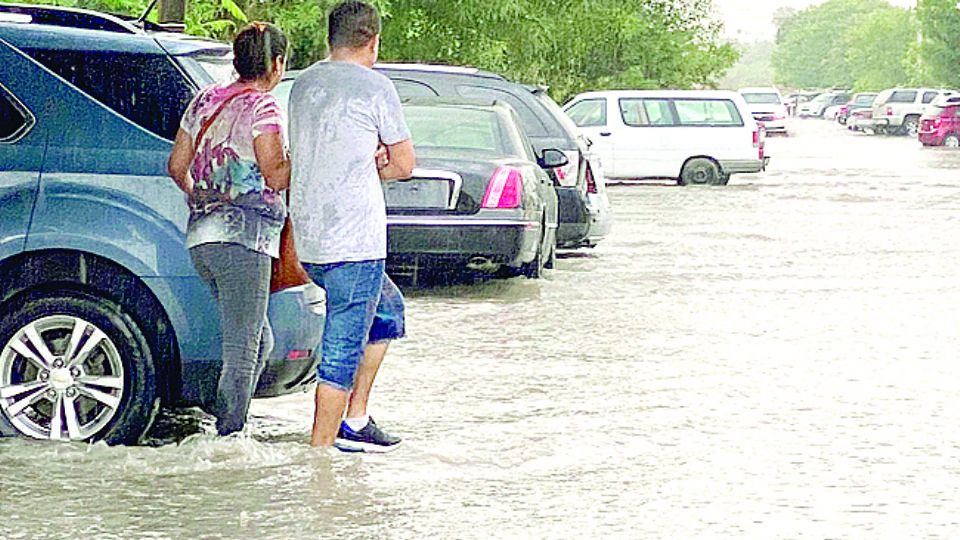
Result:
x=569 y=45
x=939 y=47
x=754 y=67
x=877 y=48
x=812 y=44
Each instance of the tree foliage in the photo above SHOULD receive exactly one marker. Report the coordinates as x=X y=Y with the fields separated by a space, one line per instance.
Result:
x=568 y=45
x=869 y=44
x=939 y=46
x=881 y=63
x=754 y=67
x=813 y=44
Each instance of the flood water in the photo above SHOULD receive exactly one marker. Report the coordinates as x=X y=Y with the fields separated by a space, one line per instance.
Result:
x=773 y=359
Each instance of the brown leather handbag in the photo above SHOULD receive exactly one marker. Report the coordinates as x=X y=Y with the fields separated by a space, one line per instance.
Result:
x=287 y=270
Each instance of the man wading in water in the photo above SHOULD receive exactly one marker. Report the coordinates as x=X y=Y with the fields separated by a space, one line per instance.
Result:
x=347 y=135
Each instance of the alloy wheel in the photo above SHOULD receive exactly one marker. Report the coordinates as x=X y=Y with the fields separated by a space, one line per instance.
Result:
x=61 y=377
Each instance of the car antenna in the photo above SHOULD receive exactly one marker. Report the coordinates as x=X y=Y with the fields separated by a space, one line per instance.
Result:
x=143 y=18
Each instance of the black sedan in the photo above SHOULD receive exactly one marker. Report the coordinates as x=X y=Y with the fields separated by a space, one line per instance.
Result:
x=479 y=199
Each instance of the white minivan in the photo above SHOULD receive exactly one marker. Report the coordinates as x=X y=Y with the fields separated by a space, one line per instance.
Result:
x=693 y=136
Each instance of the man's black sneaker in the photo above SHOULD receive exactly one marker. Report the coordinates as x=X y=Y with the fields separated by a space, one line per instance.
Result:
x=369 y=439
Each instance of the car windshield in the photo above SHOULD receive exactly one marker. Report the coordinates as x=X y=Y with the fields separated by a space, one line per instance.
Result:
x=865 y=99
x=457 y=128
x=761 y=97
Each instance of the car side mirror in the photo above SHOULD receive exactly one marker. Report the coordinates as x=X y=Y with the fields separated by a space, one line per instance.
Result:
x=551 y=158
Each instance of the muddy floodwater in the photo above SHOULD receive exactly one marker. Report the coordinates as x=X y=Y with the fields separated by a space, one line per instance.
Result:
x=773 y=359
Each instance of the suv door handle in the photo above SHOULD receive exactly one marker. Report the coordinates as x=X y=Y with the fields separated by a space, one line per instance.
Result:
x=604 y=133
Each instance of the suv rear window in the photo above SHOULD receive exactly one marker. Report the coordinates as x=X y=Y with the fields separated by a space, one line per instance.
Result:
x=531 y=121
x=15 y=119
x=903 y=96
x=146 y=89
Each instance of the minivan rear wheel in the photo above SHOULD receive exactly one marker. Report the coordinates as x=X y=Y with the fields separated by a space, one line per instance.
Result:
x=75 y=367
x=700 y=171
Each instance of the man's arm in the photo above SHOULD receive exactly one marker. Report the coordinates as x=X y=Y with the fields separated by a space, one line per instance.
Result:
x=400 y=161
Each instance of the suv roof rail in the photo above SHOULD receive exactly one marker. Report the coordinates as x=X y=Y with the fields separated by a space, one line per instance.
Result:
x=75 y=18
x=439 y=68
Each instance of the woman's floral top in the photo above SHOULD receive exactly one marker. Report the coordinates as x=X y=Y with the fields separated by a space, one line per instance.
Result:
x=230 y=201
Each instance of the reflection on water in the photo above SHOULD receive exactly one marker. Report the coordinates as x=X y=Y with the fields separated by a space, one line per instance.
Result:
x=773 y=359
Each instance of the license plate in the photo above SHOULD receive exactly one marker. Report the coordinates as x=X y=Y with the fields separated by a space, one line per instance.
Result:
x=418 y=193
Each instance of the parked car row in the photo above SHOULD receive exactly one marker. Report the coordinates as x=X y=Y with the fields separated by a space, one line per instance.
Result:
x=931 y=115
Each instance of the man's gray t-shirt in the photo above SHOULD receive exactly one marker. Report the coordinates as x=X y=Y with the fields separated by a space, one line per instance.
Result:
x=339 y=113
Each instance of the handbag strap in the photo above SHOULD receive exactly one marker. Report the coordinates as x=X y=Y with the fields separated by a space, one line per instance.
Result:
x=209 y=121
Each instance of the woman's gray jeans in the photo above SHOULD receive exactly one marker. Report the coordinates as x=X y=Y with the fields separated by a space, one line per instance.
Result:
x=240 y=281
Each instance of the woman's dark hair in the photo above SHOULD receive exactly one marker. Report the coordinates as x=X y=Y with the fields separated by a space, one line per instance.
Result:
x=352 y=24
x=255 y=47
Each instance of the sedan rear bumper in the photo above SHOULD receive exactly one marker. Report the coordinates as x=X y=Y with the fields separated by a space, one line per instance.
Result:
x=460 y=240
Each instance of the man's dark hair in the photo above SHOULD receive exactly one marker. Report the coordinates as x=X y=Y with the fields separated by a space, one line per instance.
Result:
x=255 y=47
x=352 y=24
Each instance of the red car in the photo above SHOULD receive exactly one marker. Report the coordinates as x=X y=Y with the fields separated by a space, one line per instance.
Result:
x=940 y=124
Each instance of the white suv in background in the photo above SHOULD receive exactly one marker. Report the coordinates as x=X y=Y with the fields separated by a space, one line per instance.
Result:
x=897 y=111
x=767 y=107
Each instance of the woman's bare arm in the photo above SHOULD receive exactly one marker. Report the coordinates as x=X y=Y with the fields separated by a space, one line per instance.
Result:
x=178 y=166
x=273 y=160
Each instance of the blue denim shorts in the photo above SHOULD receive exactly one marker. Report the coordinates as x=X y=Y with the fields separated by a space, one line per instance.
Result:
x=363 y=306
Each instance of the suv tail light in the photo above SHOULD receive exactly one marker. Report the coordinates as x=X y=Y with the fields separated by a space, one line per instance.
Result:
x=504 y=188
x=591 y=183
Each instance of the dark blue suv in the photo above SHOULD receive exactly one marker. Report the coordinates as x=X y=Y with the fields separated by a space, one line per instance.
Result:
x=102 y=318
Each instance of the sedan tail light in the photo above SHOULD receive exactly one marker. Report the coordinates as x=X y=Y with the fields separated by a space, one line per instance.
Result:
x=504 y=188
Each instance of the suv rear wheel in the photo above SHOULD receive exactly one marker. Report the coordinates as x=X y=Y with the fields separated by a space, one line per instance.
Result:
x=910 y=125
x=74 y=367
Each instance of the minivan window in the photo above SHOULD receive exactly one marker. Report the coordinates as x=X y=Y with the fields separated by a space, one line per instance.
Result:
x=646 y=112
x=710 y=112
x=589 y=112
x=146 y=89
x=15 y=119
x=532 y=123
x=903 y=96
